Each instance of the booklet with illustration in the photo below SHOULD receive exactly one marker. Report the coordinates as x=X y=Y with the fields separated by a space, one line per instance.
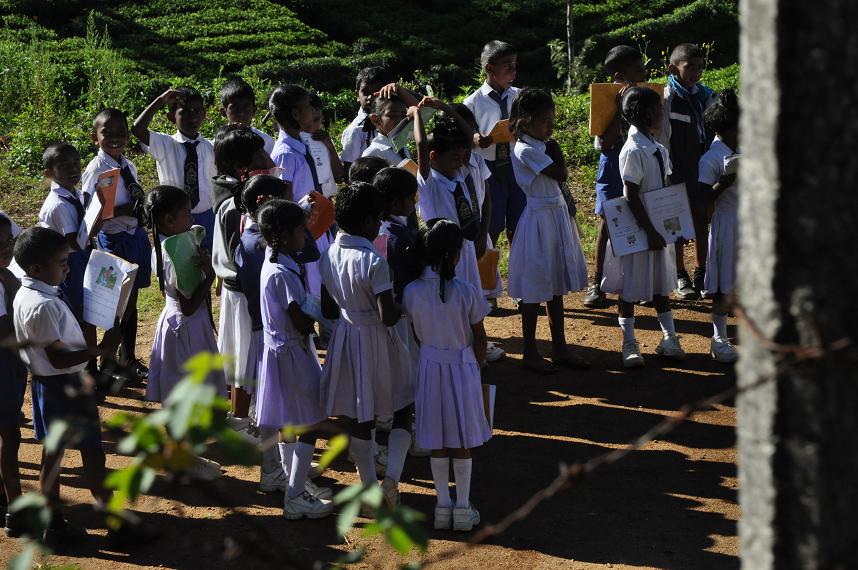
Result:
x=184 y=249
x=322 y=162
x=404 y=131
x=107 y=284
x=410 y=166
x=668 y=210
x=603 y=104
x=100 y=205
x=500 y=133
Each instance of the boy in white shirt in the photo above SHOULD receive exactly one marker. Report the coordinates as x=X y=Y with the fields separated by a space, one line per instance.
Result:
x=489 y=104
x=238 y=105
x=56 y=352
x=358 y=135
x=185 y=159
x=388 y=110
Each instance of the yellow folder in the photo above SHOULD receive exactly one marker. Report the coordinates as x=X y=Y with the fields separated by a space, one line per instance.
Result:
x=603 y=104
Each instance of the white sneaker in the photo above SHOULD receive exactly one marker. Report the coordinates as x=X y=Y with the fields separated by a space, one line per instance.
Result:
x=273 y=482
x=723 y=350
x=494 y=352
x=205 y=469
x=670 y=348
x=381 y=460
x=465 y=518
x=632 y=357
x=323 y=493
x=390 y=488
x=305 y=505
x=443 y=518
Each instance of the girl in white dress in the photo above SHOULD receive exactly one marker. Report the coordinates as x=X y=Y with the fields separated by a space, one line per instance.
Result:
x=448 y=313
x=646 y=275
x=368 y=372
x=545 y=258
x=719 y=182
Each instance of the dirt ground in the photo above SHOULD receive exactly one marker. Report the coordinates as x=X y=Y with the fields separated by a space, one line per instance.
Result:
x=672 y=505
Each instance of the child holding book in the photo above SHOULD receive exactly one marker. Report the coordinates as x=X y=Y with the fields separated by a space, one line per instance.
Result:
x=360 y=132
x=389 y=109
x=329 y=168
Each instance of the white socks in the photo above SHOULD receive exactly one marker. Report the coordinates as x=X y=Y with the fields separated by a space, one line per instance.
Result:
x=397 y=451
x=665 y=320
x=286 y=452
x=301 y=459
x=365 y=461
x=719 y=323
x=441 y=476
x=462 y=472
x=627 y=324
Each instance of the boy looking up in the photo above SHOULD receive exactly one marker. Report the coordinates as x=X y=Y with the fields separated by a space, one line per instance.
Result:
x=238 y=105
x=185 y=159
x=625 y=64
x=359 y=134
x=489 y=104
x=684 y=136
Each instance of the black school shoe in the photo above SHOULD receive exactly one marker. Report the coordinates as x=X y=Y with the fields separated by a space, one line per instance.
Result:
x=17 y=525
x=60 y=533
x=697 y=281
x=595 y=298
x=684 y=287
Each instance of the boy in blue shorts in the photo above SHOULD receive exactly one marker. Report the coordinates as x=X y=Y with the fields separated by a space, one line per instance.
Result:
x=56 y=353
x=489 y=104
x=625 y=64
x=185 y=159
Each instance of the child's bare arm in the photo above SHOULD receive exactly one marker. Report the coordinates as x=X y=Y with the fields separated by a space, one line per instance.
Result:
x=337 y=168
x=463 y=125
x=140 y=129
x=5 y=327
x=421 y=142
x=60 y=356
x=302 y=322
x=392 y=89
x=633 y=195
x=388 y=310
x=480 y=342
x=557 y=169
x=330 y=309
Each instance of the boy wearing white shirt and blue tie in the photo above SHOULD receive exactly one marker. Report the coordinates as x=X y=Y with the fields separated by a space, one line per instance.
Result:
x=491 y=103
x=185 y=159
x=360 y=132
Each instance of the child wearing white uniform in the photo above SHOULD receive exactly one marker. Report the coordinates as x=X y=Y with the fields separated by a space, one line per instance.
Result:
x=715 y=181
x=545 y=257
x=360 y=132
x=448 y=313
x=646 y=275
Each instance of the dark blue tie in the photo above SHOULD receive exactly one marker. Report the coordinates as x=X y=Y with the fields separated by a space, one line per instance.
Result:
x=192 y=173
x=312 y=164
x=501 y=149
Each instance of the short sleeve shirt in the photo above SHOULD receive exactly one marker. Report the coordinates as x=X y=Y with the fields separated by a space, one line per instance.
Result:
x=638 y=163
x=487 y=112
x=354 y=138
x=58 y=213
x=291 y=155
x=169 y=153
x=280 y=286
x=382 y=147
x=529 y=159
x=102 y=162
x=354 y=273
x=435 y=197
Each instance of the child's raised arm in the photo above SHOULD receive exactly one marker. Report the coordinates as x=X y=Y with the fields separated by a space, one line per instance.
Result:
x=392 y=89
x=557 y=169
x=420 y=141
x=337 y=168
x=140 y=129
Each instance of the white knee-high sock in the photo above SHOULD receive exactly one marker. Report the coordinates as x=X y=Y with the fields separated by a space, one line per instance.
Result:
x=665 y=320
x=286 y=451
x=365 y=461
x=441 y=477
x=719 y=323
x=627 y=325
x=301 y=459
x=398 y=444
x=462 y=472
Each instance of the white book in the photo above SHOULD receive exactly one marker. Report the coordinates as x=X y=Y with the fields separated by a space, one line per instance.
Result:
x=668 y=210
x=107 y=284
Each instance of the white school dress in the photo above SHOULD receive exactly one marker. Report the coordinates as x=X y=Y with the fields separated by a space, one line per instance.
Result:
x=367 y=370
x=480 y=173
x=449 y=410
x=724 y=233
x=288 y=391
x=382 y=147
x=435 y=199
x=178 y=337
x=355 y=139
x=545 y=258
x=639 y=276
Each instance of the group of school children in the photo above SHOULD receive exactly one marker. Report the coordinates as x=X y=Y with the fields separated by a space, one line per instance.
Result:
x=403 y=328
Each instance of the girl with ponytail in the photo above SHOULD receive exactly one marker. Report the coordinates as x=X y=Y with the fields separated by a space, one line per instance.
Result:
x=447 y=313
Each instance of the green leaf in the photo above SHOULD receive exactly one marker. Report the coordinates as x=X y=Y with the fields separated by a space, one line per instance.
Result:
x=118 y=420
x=348 y=494
x=373 y=496
x=351 y=557
x=24 y=560
x=56 y=431
x=290 y=432
x=28 y=501
x=347 y=516
x=203 y=364
x=236 y=448
x=399 y=539
x=147 y=479
x=336 y=445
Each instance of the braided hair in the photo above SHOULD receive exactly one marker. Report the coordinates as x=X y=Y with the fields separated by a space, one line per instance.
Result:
x=160 y=201
x=276 y=217
x=440 y=243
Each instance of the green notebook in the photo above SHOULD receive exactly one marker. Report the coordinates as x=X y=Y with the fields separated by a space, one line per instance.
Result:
x=182 y=249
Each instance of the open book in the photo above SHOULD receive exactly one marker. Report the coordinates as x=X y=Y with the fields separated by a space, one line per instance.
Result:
x=603 y=104
x=500 y=133
x=100 y=206
x=107 y=284
x=668 y=210
x=404 y=131
x=183 y=250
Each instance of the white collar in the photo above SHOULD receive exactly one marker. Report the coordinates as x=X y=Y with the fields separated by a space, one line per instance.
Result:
x=40 y=286
x=382 y=141
x=530 y=141
x=63 y=191
x=429 y=273
x=295 y=144
x=110 y=161
x=352 y=241
x=285 y=260
x=720 y=142
x=641 y=140
x=447 y=183
x=183 y=139
x=486 y=89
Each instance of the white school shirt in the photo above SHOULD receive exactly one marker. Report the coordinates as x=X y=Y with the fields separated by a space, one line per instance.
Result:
x=487 y=112
x=354 y=138
x=435 y=197
x=322 y=160
x=529 y=159
x=57 y=213
x=169 y=154
x=354 y=273
x=16 y=229
x=479 y=171
x=445 y=324
x=712 y=169
x=102 y=162
x=638 y=163
x=382 y=147
x=222 y=260
x=291 y=155
x=268 y=140
x=41 y=318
